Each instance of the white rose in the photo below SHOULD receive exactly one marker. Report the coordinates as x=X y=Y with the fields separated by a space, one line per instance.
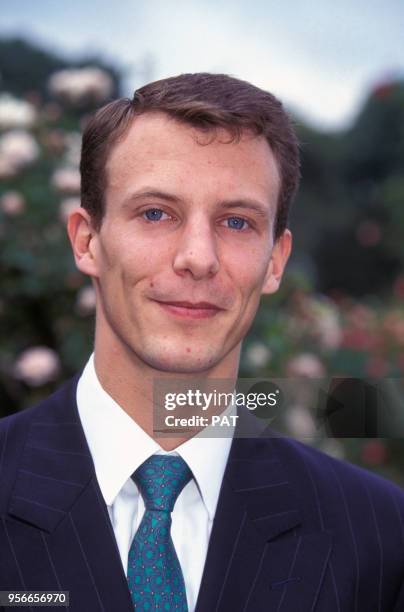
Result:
x=66 y=180
x=18 y=149
x=76 y=85
x=16 y=113
x=12 y=203
x=37 y=366
x=85 y=303
x=305 y=364
x=258 y=355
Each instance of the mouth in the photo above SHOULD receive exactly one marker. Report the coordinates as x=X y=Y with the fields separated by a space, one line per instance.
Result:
x=190 y=310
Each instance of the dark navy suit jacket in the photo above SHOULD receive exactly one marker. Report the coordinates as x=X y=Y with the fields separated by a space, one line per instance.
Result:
x=294 y=530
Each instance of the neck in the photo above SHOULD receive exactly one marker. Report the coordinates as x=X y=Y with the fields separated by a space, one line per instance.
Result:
x=129 y=381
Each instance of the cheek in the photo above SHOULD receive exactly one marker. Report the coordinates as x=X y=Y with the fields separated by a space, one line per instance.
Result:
x=126 y=256
x=249 y=271
x=141 y=272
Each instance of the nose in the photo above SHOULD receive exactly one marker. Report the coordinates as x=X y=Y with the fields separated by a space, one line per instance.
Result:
x=196 y=252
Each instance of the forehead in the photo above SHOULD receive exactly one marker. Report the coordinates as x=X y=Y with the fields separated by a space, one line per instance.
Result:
x=158 y=147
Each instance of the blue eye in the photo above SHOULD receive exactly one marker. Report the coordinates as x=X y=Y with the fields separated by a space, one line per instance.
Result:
x=237 y=223
x=153 y=214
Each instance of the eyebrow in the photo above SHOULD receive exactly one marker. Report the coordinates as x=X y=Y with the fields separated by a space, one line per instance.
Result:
x=247 y=203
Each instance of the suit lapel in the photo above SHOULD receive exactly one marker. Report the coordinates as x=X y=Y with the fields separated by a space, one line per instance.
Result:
x=56 y=490
x=259 y=557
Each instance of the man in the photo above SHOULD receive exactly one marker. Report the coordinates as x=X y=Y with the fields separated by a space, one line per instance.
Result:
x=183 y=225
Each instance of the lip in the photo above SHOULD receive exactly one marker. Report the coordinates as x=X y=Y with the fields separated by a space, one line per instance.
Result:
x=190 y=310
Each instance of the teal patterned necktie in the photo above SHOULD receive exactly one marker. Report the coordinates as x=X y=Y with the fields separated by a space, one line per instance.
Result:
x=154 y=573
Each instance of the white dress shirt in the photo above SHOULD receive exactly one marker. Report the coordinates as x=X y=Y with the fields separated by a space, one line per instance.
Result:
x=119 y=446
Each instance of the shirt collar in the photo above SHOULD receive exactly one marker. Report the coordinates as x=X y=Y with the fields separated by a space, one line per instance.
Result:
x=118 y=445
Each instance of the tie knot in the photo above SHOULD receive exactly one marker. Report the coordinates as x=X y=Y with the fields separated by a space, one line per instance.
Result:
x=161 y=479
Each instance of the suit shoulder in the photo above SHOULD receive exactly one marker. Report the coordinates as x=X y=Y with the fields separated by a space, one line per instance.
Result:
x=325 y=471
x=13 y=424
x=26 y=415
x=13 y=435
x=15 y=431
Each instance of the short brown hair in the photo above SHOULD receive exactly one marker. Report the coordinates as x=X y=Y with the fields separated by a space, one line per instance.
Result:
x=205 y=101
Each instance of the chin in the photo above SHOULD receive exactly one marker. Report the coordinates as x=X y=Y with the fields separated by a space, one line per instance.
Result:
x=177 y=360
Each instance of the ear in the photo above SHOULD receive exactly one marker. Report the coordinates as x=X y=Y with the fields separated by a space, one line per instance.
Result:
x=279 y=257
x=83 y=238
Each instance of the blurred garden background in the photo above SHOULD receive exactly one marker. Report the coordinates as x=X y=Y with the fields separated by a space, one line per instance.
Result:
x=339 y=312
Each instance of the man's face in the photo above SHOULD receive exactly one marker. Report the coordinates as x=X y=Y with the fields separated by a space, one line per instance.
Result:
x=186 y=223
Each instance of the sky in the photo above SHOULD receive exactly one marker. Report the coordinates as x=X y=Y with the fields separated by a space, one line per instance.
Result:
x=321 y=57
